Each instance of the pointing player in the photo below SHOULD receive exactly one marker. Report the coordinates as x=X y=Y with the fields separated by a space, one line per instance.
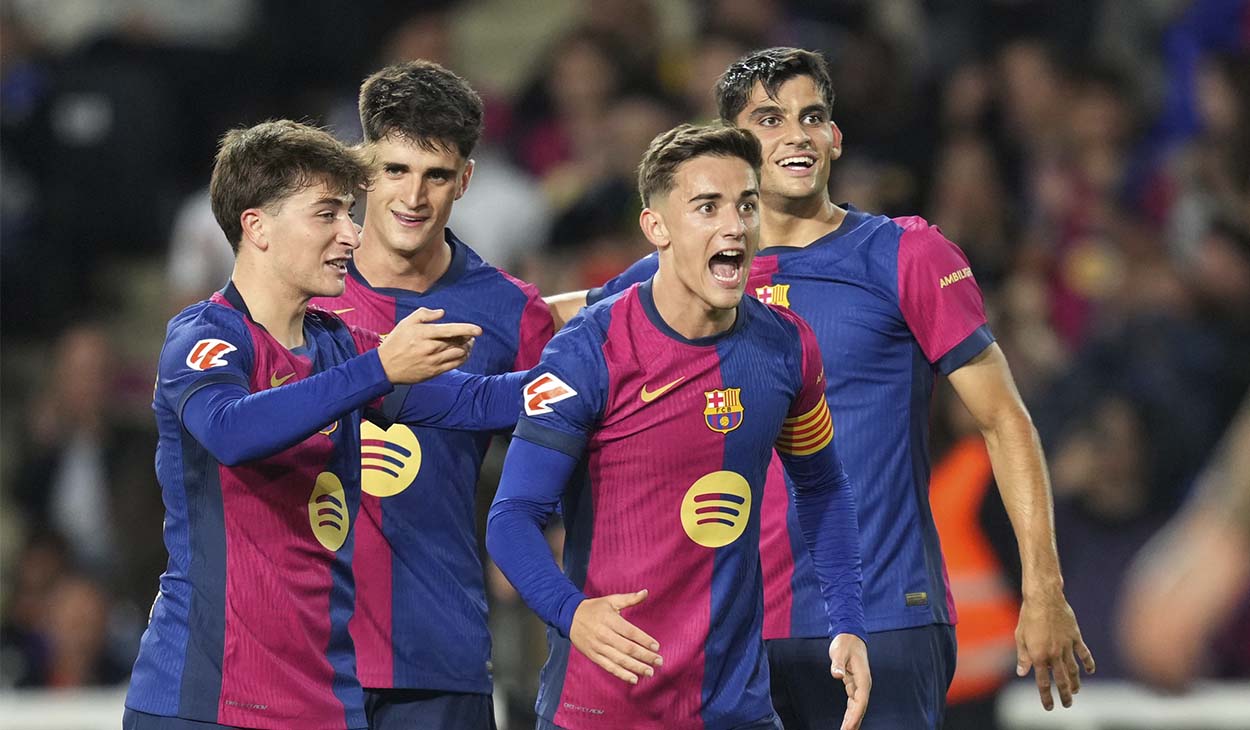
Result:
x=893 y=303
x=258 y=406
x=422 y=645
x=672 y=396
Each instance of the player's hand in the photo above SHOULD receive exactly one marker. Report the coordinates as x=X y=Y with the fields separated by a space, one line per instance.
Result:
x=1048 y=641
x=848 y=661
x=417 y=349
x=601 y=634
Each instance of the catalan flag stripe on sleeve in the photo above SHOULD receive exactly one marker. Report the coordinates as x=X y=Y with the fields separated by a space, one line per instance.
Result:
x=808 y=433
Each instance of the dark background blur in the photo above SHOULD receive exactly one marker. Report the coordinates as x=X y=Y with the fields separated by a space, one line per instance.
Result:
x=1091 y=158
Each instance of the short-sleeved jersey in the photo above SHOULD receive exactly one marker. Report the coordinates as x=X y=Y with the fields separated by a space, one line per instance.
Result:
x=677 y=438
x=250 y=627
x=893 y=303
x=420 y=602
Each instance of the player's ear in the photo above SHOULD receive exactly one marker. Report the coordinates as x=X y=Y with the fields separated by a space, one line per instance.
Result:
x=254 y=234
x=836 y=152
x=652 y=224
x=464 y=179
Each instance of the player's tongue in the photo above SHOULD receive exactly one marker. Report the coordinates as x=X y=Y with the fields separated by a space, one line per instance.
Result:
x=726 y=267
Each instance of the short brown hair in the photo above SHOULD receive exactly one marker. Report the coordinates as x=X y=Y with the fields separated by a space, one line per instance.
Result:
x=670 y=149
x=771 y=67
x=262 y=165
x=423 y=103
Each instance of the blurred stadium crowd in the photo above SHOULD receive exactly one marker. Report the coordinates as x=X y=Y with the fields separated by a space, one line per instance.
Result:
x=1091 y=158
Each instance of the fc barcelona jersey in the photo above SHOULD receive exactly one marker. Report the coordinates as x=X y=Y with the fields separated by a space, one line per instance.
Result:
x=250 y=627
x=676 y=436
x=420 y=602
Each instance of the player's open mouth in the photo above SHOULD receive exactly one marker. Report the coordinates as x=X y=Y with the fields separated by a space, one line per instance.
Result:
x=409 y=221
x=339 y=265
x=726 y=267
x=798 y=164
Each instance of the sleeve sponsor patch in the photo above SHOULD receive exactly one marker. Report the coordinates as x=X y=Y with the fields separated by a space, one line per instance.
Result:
x=209 y=354
x=540 y=392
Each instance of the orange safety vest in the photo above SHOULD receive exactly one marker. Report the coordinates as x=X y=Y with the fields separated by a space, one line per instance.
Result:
x=987 y=607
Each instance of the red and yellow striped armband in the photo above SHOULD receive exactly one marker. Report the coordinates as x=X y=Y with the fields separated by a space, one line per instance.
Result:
x=808 y=433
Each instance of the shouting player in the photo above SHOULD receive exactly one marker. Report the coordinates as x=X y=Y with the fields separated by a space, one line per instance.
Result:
x=893 y=303
x=672 y=396
x=422 y=645
x=258 y=404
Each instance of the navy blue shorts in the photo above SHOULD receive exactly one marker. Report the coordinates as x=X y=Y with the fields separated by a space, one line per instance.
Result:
x=135 y=720
x=911 y=671
x=392 y=709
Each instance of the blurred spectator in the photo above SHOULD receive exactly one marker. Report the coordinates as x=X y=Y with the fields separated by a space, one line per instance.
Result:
x=200 y=259
x=82 y=461
x=1185 y=614
x=28 y=586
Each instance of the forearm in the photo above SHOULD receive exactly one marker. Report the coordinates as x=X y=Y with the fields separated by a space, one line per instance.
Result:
x=459 y=401
x=825 y=504
x=237 y=426
x=533 y=478
x=1020 y=471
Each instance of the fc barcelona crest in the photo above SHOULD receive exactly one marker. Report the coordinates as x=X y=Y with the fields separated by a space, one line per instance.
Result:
x=778 y=294
x=724 y=409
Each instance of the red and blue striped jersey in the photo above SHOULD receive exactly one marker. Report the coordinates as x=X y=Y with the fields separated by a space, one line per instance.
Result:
x=892 y=303
x=420 y=618
x=250 y=627
x=676 y=437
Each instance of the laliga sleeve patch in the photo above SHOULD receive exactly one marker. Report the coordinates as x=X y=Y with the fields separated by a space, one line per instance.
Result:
x=208 y=354
x=544 y=390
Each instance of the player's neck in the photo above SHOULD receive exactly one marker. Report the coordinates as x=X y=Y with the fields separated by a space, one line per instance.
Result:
x=797 y=222
x=386 y=268
x=272 y=304
x=687 y=314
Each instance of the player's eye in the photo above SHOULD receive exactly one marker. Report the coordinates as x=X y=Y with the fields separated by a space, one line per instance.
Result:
x=707 y=208
x=770 y=121
x=747 y=206
x=814 y=118
x=393 y=170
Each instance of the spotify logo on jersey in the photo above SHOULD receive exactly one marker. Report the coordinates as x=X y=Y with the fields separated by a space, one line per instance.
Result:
x=327 y=511
x=389 y=460
x=716 y=508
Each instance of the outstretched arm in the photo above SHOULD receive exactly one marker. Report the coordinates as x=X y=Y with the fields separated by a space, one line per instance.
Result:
x=1048 y=639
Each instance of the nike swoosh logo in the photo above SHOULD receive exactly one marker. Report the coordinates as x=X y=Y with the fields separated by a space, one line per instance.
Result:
x=650 y=395
x=275 y=381
x=344 y=311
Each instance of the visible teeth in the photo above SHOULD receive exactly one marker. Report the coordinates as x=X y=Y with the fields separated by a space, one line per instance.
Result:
x=805 y=161
x=734 y=254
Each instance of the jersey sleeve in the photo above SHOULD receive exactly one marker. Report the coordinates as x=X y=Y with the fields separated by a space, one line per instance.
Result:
x=205 y=344
x=641 y=270
x=939 y=297
x=535 y=327
x=564 y=397
x=808 y=427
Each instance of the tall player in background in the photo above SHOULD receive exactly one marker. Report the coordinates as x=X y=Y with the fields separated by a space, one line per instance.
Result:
x=893 y=303
x=672 y=396
x=423 y=649
x=258 y=405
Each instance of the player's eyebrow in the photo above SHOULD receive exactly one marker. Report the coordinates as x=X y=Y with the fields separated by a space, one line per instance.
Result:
x=705 y=196
x=765 y=111
x=344 y=201
x=748 y=193
x=443 y=171
x=813 y=109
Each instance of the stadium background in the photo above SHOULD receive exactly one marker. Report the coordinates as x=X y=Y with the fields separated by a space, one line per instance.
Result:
x=1090 y=157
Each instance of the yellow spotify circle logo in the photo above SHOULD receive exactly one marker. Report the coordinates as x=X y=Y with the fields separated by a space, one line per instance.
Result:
x=389 y=460
x=327 y=511
x=716 y=508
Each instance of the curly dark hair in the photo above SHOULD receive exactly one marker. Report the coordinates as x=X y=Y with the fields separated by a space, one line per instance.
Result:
x=771 y=67
x=423 y=103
